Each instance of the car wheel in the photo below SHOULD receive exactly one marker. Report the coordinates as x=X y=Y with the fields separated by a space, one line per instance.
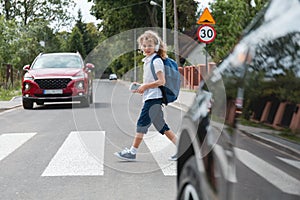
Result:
x=27 y=104
x=91 y=98
x=189 y=181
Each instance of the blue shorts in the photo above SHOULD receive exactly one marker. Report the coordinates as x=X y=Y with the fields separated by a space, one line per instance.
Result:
x=152 y=113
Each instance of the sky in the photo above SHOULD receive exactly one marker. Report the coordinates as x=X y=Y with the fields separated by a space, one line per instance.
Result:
x=85 y=6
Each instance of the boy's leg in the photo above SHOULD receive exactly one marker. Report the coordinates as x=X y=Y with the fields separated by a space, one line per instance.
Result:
x=171 y=136
x=143 y=124
x=137 y=140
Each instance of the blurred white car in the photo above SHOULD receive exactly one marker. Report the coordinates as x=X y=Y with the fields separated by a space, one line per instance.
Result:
x=113 y=77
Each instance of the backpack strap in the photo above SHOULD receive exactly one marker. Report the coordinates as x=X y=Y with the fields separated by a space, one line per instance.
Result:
x=155 y=77
x=152 y=66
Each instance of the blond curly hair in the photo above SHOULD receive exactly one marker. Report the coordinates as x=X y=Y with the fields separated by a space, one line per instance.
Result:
x=153 y=36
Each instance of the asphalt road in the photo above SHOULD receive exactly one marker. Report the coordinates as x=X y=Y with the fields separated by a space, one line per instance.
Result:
x=62 y=151
x=264 y=172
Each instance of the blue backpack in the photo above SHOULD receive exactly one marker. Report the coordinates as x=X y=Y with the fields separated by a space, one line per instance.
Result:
x=170 y=90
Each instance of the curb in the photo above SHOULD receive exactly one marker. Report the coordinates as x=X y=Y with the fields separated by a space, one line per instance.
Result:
x=273 y=143
x=10 y=108
x=8 y=105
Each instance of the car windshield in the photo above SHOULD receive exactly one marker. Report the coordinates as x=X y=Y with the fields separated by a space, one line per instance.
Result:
x=57 y=61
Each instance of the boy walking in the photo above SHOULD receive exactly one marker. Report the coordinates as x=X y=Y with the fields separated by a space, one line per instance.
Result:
x=151 y=45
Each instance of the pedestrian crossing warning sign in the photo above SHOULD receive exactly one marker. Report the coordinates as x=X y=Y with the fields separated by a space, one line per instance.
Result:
x=206 y=18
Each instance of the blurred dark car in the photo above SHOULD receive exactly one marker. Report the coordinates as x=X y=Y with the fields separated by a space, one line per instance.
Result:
x=57 y=77
x=255 y=89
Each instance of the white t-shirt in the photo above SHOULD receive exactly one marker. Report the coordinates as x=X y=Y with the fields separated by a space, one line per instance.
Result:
x=152 y=93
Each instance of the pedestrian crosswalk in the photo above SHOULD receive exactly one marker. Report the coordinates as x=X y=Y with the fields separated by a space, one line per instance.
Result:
x=82 y=154
x=294 y=163
x=10 y=142
x=161 y=148
x=280 y=179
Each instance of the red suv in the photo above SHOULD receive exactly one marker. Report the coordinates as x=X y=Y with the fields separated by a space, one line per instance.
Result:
x=57 y=77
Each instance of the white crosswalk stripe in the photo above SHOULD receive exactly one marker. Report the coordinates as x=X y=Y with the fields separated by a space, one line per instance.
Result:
x=293 y=163
x=161 y=148
x=81 y=154
x=273 y=175
x=11 y=141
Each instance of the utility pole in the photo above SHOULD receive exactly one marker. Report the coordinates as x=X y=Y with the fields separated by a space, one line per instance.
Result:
x=134 y=51
x=176 y=45
x=163 y=10
x=164 y=22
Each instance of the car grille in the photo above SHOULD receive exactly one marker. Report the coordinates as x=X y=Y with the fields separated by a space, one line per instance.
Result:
x=58 y=83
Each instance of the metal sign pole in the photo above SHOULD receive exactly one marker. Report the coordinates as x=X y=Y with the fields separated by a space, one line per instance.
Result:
x=206 y=63
x=134 y=51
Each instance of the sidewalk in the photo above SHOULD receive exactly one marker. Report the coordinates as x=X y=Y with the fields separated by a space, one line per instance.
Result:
x=183 y=103
x=266 y=136
x=13 y=103
x=271 y=138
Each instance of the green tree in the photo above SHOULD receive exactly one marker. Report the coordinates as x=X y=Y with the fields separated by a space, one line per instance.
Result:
x=90 y=34
x=7 y=29
x=32 y=40
x=93 y=36
x=232 y=17
x=20 y=45
x=121 y=15
x=63 y=38
x=186 y=12
x=28 y=11
x=76 y=41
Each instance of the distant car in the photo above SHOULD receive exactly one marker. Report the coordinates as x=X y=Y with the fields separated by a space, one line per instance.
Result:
x=57 y=77
x=113 y=77
x=259 y=82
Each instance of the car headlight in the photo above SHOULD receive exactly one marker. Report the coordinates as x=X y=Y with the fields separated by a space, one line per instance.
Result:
x=26 y=86
x=80 y=85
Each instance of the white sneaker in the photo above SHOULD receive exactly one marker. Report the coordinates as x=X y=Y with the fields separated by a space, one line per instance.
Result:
x=126 y=155
x=173 y=158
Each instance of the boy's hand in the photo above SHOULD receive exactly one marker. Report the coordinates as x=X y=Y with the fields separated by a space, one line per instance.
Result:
x=134 y=86
x=141 y=89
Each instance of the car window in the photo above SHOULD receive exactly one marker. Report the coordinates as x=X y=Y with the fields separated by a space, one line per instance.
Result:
x=265 y=68
x=57 y=61
x=274 y=76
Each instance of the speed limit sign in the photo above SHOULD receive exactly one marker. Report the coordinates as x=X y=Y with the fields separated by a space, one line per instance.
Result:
x=206 y=33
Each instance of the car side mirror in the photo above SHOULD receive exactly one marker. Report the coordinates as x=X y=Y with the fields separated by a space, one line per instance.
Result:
x=89 y=66
x=26 y=67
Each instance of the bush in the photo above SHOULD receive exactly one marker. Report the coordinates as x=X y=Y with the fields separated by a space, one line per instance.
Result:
x=8 y=94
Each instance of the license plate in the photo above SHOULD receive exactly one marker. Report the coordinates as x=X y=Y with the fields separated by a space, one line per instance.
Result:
x=53 y=91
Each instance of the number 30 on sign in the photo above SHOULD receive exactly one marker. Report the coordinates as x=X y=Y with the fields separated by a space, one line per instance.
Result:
x=206 y=33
